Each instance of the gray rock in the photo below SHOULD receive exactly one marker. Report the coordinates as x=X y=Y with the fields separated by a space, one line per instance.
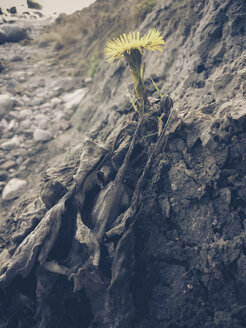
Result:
x=43 y=123
x=3 y=37
x=25 y=124
x=6 y=103
x=4 y=127
x=24 y=114
x=13 y=189
x=41 y=135
x=3 y=175
x=12 y=10
x=14 y=33
x=37 y=101
x=16 y=58
x=33 y=5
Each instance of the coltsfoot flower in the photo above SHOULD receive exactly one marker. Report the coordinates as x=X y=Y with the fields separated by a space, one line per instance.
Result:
x=116 y=48
x=131 y=47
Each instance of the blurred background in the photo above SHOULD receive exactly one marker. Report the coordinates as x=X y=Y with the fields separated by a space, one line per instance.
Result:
x=49 y=6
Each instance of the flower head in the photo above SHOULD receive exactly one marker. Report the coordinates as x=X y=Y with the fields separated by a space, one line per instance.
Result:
x=118 y=47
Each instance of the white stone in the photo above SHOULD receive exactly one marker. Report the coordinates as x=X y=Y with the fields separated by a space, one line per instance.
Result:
x=72 y=100
x=43 y=123
x=25 y=124
x=41 y=135
x=25 y=113
x=13 y=189
x=88 y=79
x=4 y=127
x=13 y=125
x=12 y=143
x=6 y=103
x=40 y=117
x=55 y=101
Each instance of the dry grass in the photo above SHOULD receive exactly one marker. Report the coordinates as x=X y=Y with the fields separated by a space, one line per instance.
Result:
x=83 y=34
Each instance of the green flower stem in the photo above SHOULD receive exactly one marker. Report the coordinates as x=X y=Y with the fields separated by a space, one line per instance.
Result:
x=134 y=60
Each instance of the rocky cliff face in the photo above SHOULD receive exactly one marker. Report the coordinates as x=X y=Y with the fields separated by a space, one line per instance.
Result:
x=140 y=232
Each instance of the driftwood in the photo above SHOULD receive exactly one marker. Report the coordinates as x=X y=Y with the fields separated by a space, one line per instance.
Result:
x=86 y=236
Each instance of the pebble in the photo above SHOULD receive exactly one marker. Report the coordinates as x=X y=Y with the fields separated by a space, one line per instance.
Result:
x=13 y=189
x=25 y=124
x=41 y=135
x=3 y=175
x=4 y=127
x=44 y=123
x=12 y=143
x=88 y=80
x=8 y=165
x=55 y=101
x=64 y=125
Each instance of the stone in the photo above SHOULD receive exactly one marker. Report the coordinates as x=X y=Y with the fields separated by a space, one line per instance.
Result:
x=88 y=80
x=55 y=101
x=44 y=123
x=12 y=10
x=25 y=124
x=8 y=165
x=26 y=163
x=42 y=135
x=64 y=125
x=12 y=143
x=24 y=114
x=13 y=189
x=6 y=104
x=37 y=101
x=3 y=175
x=4 y=127
x=16 y=58
x=14 y=33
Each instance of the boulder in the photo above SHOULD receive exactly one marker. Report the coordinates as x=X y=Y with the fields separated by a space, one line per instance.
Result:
x=13 y=189
x=6 y=104
x=14 y=33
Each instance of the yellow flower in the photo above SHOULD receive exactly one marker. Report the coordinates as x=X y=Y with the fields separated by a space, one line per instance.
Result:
x=117 y=47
